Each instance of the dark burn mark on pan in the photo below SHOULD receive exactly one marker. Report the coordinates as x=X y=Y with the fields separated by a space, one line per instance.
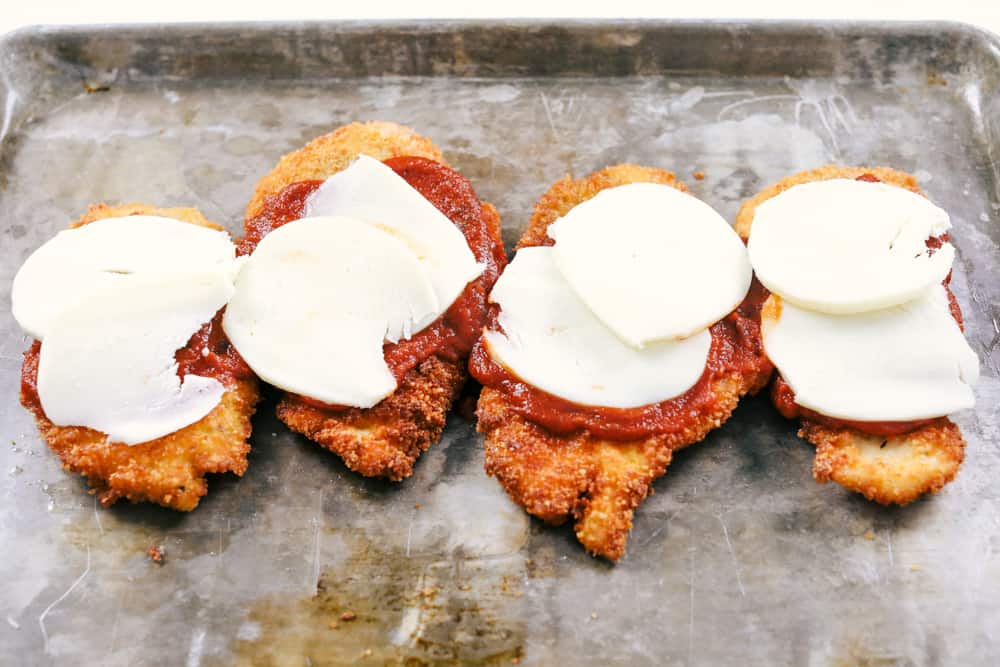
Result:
x=380 y=607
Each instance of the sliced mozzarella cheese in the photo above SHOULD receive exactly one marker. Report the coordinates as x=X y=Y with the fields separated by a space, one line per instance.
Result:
x=77 y=262
x=552 y=340
x=653 y=263
x=369 y=190
x=902 y=363
x=317 y=300
x=846 y=246
x=108 y=363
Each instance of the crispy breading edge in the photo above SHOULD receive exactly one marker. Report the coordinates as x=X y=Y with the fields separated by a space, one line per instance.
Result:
x=169 y=471
x=598 y=483
x=385 y=440
x=888 y=470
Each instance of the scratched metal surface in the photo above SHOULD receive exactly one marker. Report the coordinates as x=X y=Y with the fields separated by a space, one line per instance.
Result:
x=738 y=558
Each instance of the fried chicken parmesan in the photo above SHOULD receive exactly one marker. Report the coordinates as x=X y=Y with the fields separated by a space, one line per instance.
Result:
x=888 y=469
x=384 y=440
x=596 y=482
x=170 y=470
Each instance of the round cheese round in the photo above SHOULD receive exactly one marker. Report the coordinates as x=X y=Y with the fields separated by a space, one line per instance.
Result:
x=651 y=262
x=552 y=340
x=108 y=363
x=77 y=262
x=846 y=246
x=369 y=190
x=317 y=300
x=898 y=364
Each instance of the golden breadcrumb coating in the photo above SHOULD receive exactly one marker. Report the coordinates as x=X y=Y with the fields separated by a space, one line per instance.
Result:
x=886 y=469
x=169 y=471
x=326 y=155
x=599 y=483
x=385 y=440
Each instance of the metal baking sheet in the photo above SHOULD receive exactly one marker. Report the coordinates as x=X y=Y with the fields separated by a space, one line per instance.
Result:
x=739 y=557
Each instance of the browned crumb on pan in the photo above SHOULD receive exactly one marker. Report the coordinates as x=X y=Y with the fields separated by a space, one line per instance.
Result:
x=169 y=471
x=888 y=470
x=598 y=483
x=385 y=440
x=156 y=554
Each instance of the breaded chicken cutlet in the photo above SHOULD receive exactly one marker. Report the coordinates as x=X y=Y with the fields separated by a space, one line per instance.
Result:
x=597 y=482
x=386 y=439
x=894 y=469
x=170 y=470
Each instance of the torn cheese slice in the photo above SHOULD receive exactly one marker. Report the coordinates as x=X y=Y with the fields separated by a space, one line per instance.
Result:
x=317 y=300
x=652 y=262
x=846 y=246
x=78 y=262
x=898 y=364
x=552 y=340
x=107 y=362
x=369 y=190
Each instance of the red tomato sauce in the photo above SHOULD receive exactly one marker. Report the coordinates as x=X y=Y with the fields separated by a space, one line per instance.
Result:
x=735 y=348
x=452 y=335
x=783 y=396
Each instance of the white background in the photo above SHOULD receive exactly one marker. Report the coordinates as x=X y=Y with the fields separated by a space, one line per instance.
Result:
x=18 y=13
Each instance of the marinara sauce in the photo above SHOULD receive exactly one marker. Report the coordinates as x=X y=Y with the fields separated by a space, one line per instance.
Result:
x=735 y=349
x=452 y=335
x=783 y=396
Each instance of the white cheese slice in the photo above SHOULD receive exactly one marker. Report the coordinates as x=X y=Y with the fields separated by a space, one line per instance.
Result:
x=552 y=340
x=77 y=262
x=653 y=263
x=369 y=190
x=108 y=363
x=846 y=246
x=317 y=300
x=898 y=364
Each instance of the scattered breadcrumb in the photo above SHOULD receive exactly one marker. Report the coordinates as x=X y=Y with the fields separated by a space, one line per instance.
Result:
x=869 y=536
x=935 y=79
x=156 y=554
x=428 y=592
x=348 y=616
x=593 y=615
x=334 y=625
x=699 y=175
x=367 y=653
x=916 y=568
